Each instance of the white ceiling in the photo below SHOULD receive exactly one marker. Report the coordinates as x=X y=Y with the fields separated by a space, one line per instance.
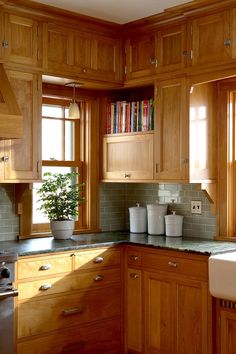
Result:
x=121 y=11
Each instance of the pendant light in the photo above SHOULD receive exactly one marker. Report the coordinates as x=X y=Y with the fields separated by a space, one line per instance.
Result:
x=74 y=111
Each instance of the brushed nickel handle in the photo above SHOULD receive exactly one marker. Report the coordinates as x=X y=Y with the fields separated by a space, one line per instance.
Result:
x=173 y=264
x=98 y=278
x=227 y=42
x=45 y=266
x=98 y=260
x=46 y=286
x=127 y=175
x=134 y=275
x=133 y=257
x=5 y=158
x=73 y=311
x=154 y=61
x=5 y=44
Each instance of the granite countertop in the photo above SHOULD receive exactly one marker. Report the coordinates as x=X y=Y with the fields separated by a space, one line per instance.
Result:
x=106 y=239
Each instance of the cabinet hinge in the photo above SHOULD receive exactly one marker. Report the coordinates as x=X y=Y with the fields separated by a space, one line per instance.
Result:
x=125 y=69
x=156 y=167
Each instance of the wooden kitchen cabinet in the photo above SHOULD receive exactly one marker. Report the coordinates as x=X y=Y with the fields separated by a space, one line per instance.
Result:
x=176 y=305
x=83 y=54
x=207 y=47
x=69 y=302
x=171 y=131
x=21 y=40
x=20 y=158
x=128 y=157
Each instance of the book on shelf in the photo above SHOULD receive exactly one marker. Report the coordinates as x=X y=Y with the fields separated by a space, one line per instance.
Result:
x=126 y=117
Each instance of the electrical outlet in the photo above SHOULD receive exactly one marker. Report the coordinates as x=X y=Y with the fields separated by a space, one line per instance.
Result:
x=196 y=207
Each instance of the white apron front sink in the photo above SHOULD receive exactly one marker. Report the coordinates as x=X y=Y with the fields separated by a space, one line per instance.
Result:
x=222 y=275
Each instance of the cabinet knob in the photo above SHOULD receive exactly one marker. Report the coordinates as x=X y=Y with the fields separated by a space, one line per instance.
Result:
x=134 y=275
x=5 y=158
x=127 y=175
x=153 y=61
x=5 y=44
x=45 y=267
x=84 y=70
x=227 y=42
x=133 y=257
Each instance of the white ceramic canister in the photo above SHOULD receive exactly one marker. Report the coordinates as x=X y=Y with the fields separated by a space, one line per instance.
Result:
x=155 y=216
x=174 y=225
x=138 y=219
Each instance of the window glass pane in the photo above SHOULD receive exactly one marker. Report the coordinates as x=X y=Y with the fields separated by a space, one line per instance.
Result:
x=69 y=140
x=66 y=112
x=38 y=216
x=52 y=111
x=52 y=139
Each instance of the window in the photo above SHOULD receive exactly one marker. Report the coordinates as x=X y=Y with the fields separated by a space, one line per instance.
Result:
x=67 y=145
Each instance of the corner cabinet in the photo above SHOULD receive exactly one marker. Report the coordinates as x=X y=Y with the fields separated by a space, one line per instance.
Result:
x=19 y=158
x=171 y=131
x=128 y=157
x=175 y=310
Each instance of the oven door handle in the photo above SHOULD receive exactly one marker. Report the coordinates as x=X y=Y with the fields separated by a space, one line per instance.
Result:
x=8 y=293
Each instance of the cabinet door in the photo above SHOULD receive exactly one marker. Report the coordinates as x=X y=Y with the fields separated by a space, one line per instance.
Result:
x=21 y=40
x=58 y=48
x=128 y=157
x=24 y=154
x=171 y=139
x=134 y=311
x=97 y=57
x=159 y=314
x=140 y=57
x=227 y=332
x=211 y=39
x=192 y=334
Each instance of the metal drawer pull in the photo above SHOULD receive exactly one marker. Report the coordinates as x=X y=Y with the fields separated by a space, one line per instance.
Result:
x=173 y=264
x=73 y=311
x=45 y=286
x=98 y=260
x=98 y=278
x=45 y=267
x=134 y=258
x=134 y=275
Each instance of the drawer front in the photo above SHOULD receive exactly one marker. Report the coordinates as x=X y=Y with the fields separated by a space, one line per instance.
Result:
x=44 y=266
x=97 y=258
x=86 y=280
x=99 y=339
x=134 y=257
x=179 y=265
x=45 y=315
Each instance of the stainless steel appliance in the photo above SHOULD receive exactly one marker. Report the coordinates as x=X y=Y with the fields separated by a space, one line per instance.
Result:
x=7 y=294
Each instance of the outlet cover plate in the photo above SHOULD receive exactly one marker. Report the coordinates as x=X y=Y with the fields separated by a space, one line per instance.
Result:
x=196 y=207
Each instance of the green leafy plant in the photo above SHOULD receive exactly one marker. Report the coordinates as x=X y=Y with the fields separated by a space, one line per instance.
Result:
x=60 y=195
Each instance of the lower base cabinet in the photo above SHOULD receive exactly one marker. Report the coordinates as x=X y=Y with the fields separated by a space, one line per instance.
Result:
x=175 y=306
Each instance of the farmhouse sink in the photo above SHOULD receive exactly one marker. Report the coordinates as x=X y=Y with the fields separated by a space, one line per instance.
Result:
x=222 y=275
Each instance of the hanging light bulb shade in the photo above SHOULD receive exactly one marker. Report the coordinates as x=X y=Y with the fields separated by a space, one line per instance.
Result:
x=74 y=111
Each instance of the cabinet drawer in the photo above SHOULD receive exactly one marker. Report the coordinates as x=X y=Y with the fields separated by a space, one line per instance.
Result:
x=175 y=264
x=134 y=257
x=99 y=339
x=88 y=280
x=48 y=314
x=44 y=266
x=96 y=259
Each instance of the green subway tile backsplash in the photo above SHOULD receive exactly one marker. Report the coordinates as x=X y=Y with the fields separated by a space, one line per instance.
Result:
x=9 y=221
x=116 y=198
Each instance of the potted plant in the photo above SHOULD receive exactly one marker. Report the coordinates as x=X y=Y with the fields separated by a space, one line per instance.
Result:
x=60 y=196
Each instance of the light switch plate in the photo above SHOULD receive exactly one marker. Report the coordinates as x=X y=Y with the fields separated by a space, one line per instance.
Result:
x=196 y=207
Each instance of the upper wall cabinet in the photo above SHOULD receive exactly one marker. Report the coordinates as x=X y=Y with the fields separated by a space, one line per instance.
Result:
x=140 y=57
x=163 y=51
x=211 y=39
x=20 y=40
x=84 y=55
